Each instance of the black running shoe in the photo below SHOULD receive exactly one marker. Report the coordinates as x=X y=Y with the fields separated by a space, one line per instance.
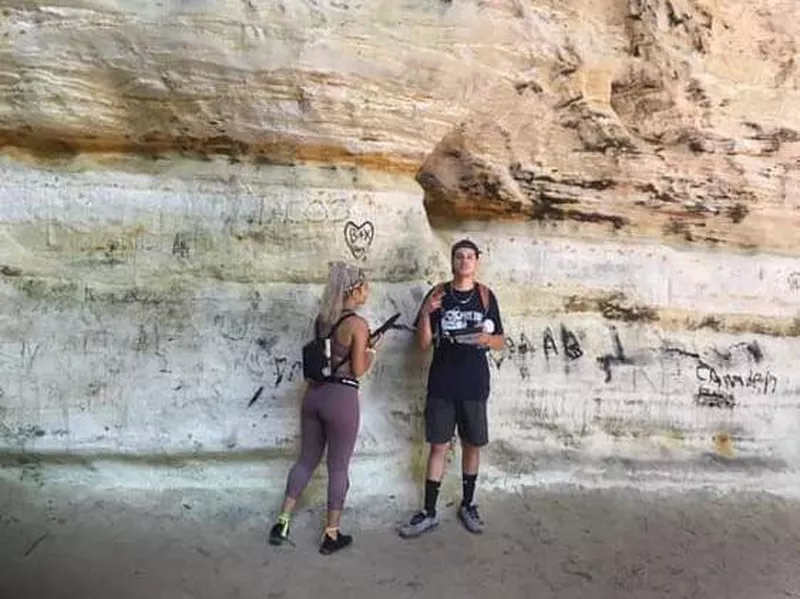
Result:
x=330 y=545
x=279 y=533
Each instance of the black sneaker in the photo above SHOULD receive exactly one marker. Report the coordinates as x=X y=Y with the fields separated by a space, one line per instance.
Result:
x=279 y=533
x=330 y=545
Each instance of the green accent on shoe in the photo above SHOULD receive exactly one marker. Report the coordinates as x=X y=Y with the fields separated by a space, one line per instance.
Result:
x=280 y=531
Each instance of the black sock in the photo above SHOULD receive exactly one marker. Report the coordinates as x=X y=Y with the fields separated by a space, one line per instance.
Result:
x=431 y=495
x=468 y=486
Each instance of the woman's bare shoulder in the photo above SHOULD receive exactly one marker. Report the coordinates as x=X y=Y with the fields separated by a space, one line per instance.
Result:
x=355 y=324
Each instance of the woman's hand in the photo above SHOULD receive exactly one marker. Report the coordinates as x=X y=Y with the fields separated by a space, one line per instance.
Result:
x=375 y=341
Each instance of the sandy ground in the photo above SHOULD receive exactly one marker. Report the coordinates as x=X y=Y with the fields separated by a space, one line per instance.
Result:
x=73 y=543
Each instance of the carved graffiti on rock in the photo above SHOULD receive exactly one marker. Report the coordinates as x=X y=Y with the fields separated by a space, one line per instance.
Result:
x=616 y=357
x=761 y=382
x=258 y=361
x=326 y=211
x=181 y=245
x=248 y=210
x=28 y=354
x=572 y=349
x=148 y=338
x=718 y=383
x=233 y=327
x=549 y=343
x=569 y=343
x=262 y=362
x=318 y=210
x=359 y=238
x=286 y=370
x=711 y=398
x=519 y=351
x=521 y=348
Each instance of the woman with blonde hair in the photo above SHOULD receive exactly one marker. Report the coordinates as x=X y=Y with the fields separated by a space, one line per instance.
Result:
x=330 y=409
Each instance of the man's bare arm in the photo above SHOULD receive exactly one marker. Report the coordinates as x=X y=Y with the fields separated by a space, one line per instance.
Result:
x=424 y=332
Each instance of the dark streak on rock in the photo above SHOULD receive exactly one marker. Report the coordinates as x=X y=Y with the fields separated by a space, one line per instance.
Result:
x=708 y=322
x=521 y=86
x=528 y=176
x=567 y=102
x=542 y=189
x=753 y=349
x=402 y=416
x=255 y=397
x=266 y=344
x=682 y=352
x=676 y=226
x=551 y=213
x=35 y=544
x=737 y=212
x=10 y=271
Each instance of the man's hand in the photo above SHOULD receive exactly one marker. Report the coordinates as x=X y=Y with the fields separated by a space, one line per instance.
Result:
x=434 y=301
x=491 y=341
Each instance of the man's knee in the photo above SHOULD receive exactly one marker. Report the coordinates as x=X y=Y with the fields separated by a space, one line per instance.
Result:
x=439 y=449
x=470 y=448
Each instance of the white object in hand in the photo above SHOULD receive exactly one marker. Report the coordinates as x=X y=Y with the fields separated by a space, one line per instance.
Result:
x=488 y=326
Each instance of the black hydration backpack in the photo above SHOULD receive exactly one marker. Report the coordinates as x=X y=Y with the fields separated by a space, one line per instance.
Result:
x=317 y=353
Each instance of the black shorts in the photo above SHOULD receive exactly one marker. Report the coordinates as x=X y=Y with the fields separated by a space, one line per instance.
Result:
x=442 y=416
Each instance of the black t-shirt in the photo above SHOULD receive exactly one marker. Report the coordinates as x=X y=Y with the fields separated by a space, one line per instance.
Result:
x=460 y=371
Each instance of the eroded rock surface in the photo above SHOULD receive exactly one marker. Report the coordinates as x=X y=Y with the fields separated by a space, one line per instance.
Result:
x=176 y=176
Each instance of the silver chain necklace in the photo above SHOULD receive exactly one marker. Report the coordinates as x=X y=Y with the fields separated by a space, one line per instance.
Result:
x=458 y=301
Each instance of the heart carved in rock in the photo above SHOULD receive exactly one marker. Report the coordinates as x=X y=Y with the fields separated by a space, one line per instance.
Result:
x=359 y=238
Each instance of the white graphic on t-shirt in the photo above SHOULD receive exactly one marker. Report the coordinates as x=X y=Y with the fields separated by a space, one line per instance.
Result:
x=453 y=320
x=456 y=320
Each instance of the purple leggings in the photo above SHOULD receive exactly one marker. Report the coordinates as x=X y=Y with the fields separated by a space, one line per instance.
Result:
x=330 y=415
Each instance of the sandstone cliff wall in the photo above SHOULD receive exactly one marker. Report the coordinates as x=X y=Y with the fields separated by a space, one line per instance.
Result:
x=176 y=176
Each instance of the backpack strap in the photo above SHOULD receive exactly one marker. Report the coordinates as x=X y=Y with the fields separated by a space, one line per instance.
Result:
x=342 y=318
x=439 y=288
x=345 y=359
x=483 y=292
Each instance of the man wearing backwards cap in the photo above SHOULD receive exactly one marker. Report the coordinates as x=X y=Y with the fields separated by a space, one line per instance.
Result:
x=462 y=320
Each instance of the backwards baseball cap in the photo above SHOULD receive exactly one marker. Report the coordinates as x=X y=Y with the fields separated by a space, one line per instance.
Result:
x=464 y=243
